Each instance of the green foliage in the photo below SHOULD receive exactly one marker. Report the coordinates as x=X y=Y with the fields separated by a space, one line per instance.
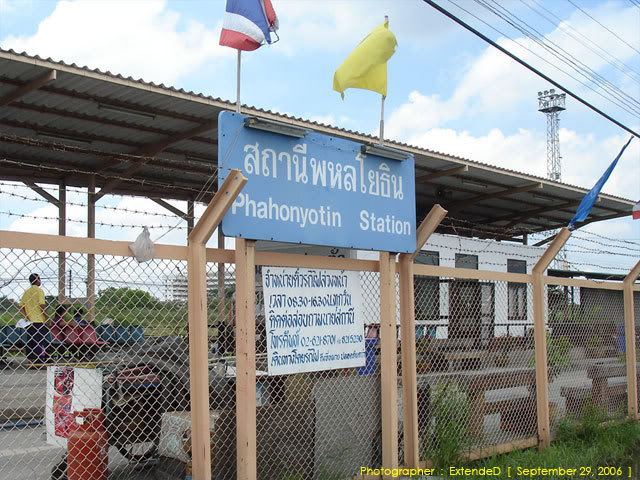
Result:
x=293 y=476
x=449 y=432
x=576 y=445
x=7 y=304
x=587 y=426
x=125 y=298
x=558 y=349
x=595 y=342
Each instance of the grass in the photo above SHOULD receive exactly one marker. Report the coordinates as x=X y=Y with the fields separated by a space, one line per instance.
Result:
x=584 y=443
x=449 y=432
x=157 y=319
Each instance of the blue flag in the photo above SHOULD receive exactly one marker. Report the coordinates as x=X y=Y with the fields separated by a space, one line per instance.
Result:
x=590 y=198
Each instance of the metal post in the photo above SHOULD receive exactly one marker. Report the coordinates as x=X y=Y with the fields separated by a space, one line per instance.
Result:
x=630 y=339
x=382 y=118
x=246 y=360
x=388 y=360
x=91 y=259
x=199 y=361
x=198 y=325
x=408 y=340
x=238 y=71
x=62 y=231
x=540 y=336
x=222 y=317
x=190 y=216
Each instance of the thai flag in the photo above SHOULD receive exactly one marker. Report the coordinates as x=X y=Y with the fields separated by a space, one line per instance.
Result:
x=247 y=24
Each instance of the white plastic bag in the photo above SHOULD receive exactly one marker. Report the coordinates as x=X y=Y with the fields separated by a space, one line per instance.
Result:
x=142 y=248
x=23 y=323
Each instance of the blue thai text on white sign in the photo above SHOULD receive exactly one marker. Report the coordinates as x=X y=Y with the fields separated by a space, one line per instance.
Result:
x=313 y=318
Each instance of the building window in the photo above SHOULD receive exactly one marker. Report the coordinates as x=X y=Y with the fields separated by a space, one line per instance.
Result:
x=427 y=257
x=517 y=292
x=427 y=289
x=464 y=260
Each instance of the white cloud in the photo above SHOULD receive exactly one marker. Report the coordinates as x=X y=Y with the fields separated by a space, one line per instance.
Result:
x=140 y=38
x=494 y=83
x=585 y=157
x=341 y=24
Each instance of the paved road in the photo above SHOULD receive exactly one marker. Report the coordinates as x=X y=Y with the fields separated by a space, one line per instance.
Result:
x=22 y=394
x=25 y=455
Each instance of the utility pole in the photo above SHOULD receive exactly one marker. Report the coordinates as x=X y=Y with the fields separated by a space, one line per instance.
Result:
x=551 y=104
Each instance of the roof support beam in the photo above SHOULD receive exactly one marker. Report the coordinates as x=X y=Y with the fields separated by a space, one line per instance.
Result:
x=100 y=120
x=34 y=84
x=455 y=206
x=42 y=192
x=496 y=208
x=442 y=173
x=171 y=208
x=529 y=213
x=153 y=149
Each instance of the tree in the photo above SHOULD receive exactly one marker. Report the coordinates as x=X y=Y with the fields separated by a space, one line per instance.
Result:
x=125 y=298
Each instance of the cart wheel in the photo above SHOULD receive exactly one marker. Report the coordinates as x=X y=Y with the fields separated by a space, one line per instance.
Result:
x=138 y=452
x=59 y=470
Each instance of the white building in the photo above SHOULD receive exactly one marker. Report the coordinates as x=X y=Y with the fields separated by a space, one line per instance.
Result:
x=448 y=307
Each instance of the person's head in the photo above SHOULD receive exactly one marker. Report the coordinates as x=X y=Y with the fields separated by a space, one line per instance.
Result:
x=61 y=310
x=34 y=279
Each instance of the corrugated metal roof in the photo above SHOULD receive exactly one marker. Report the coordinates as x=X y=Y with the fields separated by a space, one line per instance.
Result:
x=76 y=109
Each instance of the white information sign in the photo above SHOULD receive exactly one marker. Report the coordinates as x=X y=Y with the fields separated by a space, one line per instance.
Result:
x=314 y=319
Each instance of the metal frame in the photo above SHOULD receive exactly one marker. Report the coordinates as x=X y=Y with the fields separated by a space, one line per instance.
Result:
x=246 y=258
x=198 y=328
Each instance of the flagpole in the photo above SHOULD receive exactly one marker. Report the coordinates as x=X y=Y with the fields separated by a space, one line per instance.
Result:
x=238 y=81
x=382 y=118
x=386 y=21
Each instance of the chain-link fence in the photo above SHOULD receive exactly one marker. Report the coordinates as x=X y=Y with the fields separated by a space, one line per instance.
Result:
x=475 y=365
x=117 y=341
x=586 y=354
x=320 y=425
x=123 y=350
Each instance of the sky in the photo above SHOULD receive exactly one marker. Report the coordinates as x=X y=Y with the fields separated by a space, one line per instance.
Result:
x=448 y=90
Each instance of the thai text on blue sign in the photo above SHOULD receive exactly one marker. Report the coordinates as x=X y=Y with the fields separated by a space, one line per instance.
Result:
x=317 y=190
x=314 y=319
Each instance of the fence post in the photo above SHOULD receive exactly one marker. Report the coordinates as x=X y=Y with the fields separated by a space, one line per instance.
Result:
x=246 y=459
x=91 y=258
x=540 y=336
x=62 y=231
x=408 y=338
x=198 y=321
x=388 y=361
x=630 y=339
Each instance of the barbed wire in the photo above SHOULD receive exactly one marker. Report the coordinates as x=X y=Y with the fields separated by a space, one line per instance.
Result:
x=68 y=170
x=98 y=205
x=618 y=240
x=103 y=224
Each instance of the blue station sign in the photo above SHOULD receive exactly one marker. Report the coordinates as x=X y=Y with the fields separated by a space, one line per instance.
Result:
x=310 y=188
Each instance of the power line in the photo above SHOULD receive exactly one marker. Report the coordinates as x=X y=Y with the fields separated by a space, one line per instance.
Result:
x=604 y=26
x=539 y=56
x=561 y=54
x=585 y=41
x=529 y=67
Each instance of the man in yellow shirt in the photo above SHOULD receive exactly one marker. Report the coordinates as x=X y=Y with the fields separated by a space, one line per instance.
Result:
x=32 y=306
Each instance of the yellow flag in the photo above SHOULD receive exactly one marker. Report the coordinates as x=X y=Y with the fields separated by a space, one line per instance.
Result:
x=366 y=65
